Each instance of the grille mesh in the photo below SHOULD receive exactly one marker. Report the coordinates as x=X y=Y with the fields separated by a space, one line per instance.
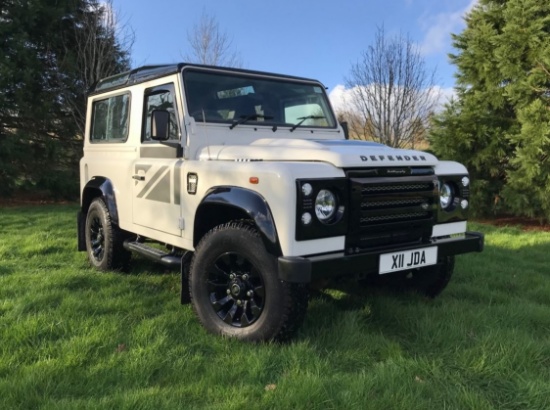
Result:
x=394 y=203
x=381 y=218
x=397 y=199
x=396 y=187
x=388 y=210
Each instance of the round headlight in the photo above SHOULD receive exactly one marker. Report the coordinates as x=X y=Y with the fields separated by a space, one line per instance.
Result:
x=445 y=196
x=325 y=205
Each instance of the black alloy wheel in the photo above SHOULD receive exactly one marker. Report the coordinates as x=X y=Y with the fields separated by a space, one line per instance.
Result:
x=104 y=239
x=97 y=238
x=235 y=288
x=237 y=292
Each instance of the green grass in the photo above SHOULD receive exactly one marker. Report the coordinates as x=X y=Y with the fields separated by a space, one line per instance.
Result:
x=74 y=338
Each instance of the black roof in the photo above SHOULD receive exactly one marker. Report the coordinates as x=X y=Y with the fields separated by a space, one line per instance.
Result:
x=150 y=72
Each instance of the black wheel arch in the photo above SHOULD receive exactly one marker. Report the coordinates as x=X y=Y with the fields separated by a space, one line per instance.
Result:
x=96 y=187
x=100 y=187
x=223 y=204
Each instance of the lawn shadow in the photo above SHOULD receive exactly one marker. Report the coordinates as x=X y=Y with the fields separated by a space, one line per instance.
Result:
x=140 y=265
x=6 y=270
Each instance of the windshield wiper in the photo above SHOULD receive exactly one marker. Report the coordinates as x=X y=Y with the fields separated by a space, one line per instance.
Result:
x=308 y=117
x=245 y=118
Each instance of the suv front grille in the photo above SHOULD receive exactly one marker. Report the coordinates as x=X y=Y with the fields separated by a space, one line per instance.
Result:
x=390 y=210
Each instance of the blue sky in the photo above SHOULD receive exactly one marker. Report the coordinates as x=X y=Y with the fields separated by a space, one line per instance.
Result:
x=316 y=39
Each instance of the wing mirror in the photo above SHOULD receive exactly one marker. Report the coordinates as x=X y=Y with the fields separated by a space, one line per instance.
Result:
x=160 y=125
x=345 y=128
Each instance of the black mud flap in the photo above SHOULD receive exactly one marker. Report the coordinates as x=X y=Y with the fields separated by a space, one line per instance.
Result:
x=185 y=297
x=81 y=226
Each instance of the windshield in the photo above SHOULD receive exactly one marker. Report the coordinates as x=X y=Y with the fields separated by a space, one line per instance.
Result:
x=246 y=99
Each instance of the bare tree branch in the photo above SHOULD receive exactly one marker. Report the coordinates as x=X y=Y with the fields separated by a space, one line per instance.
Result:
x=103 y=45
x=392 y=92
x=210 y=45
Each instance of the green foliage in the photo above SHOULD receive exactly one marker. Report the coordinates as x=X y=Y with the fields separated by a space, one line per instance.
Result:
x=478 y=141
x=499 y=126
x=75 y=338
x=43 y=87
x=37 y=168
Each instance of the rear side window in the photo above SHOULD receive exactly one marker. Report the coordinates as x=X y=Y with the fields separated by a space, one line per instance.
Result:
x=110 y=119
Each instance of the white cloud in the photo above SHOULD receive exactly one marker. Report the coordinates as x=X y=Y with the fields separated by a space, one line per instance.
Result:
x=444 y=96
x=439 y=27
x=340 y=97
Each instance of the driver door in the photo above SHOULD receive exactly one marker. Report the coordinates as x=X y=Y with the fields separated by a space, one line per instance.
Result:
x=156 y=194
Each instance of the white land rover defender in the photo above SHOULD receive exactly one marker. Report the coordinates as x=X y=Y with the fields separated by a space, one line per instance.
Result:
x=254 y=191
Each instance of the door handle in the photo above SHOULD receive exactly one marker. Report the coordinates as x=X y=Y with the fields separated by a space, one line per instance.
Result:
x=138 y=177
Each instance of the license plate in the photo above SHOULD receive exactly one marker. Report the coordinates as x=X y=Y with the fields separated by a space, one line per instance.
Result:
x=404 y=260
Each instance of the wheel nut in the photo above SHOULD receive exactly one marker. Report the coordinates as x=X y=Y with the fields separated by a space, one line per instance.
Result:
x=245 y=277
x=232 y=276
x=250 y=293
x=239 y=302
x=228 y=291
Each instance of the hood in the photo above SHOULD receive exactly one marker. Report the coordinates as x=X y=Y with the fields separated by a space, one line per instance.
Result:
x=340 y=153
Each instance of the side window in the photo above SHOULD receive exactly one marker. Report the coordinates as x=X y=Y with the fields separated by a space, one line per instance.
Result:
x=110 y=119
x=160 y=98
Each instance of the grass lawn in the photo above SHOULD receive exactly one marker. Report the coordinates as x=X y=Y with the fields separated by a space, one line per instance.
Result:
x=73 y=338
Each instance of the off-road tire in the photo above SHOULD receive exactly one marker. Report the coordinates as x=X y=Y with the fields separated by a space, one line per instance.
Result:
x=235 y=290
x=432 y=280
x=104 y=239
x=429 y=281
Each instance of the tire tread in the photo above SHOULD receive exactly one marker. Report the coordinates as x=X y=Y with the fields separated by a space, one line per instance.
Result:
x=295 y=296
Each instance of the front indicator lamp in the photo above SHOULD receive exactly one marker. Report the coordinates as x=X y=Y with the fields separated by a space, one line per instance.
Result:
x=192 y=183
x=464 y=204
x=306 y=218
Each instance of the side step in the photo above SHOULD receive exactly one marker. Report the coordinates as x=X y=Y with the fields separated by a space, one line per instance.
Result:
x=167 y=259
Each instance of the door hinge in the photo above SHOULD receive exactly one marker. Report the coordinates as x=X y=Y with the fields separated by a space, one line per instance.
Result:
x=181 y=223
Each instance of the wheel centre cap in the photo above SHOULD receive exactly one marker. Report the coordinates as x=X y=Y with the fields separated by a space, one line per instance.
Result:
x=235 y=289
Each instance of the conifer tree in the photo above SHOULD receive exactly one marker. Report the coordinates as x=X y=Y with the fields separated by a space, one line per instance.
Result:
x=499 y=124
x=43 y=88
x=524 y=56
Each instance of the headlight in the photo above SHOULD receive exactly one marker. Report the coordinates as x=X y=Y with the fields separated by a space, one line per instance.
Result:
x=325 y=205
x=446 y=196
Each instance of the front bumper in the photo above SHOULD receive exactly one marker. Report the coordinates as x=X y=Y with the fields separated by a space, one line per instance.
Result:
x=299 y=269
